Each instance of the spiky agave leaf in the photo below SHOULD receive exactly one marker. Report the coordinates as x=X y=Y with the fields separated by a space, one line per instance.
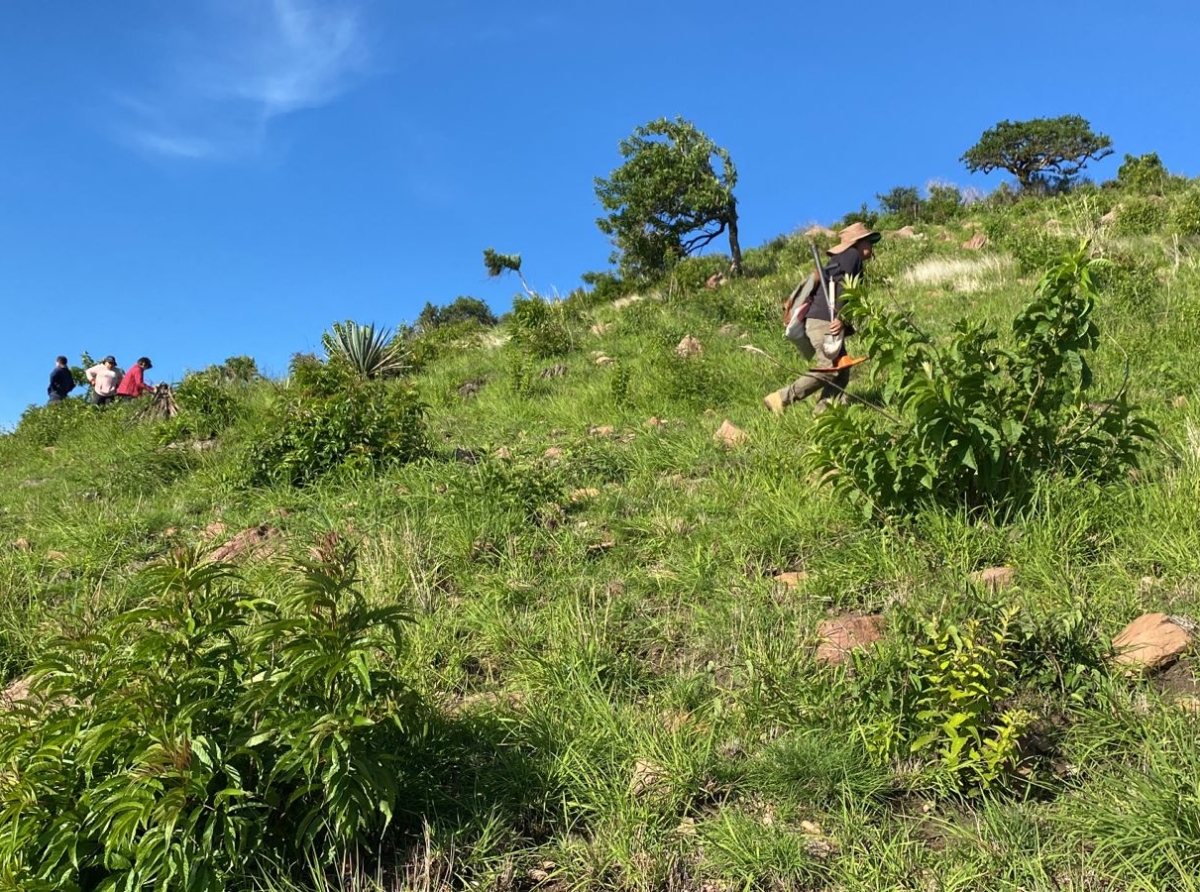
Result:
x=369 y=351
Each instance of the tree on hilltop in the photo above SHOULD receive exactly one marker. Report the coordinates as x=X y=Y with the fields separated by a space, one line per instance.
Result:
x=1039 y=153
x=671 y=197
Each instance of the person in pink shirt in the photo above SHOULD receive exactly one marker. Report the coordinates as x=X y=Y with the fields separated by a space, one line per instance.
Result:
x=134 y=383
x=104 y=378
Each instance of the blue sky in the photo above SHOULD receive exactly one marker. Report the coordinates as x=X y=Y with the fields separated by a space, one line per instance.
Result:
x=194 y=180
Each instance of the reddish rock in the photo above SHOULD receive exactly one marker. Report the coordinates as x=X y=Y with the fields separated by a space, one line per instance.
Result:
x=256 y=542
x=716 y=280
x=554 y=453
x=22 y=544
x=729 y=434
x=1152 y=641
x=601 y=430
x=841 y=636
x=655 y=422
x=995 y=579
x=975 y=242
x=790 y=580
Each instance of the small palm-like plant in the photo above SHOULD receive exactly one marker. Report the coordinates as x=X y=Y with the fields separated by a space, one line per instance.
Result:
x=371 y=352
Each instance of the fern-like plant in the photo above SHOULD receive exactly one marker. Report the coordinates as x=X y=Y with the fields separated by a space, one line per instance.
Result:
x=371 y=352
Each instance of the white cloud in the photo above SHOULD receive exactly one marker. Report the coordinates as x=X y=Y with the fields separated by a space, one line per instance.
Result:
x=242 y=65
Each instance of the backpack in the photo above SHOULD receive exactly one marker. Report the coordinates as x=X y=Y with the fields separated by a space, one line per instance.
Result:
x=796 y=307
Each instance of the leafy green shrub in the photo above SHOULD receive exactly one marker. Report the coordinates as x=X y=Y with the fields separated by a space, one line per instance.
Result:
x=44 y=425
x=1141 y=216
x=363 y=424
x=460 y=310
x=206 y=407
x=197 y=736
x=540 y=328
x=1031 y=245
x=700 y=382
x=971 y=424
x=1185 y=213
x=1143 y=173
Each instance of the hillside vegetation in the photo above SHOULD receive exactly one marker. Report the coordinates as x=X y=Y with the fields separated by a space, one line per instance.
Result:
x=515 y=619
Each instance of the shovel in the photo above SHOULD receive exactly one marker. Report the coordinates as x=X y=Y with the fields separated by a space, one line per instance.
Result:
x=832 y=345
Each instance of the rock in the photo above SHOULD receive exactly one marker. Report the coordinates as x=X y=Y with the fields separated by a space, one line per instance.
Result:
x=710 y=413
x=689 y=346
x=55 y=556
x=727 y=330
x=204 y=445
x=17 y=692
x=1180 y=402
x=1188 y=704
x=256 y=542
x=730 y=435
x=503 y=453
x=170 y=532
x=1152 y=641
x=648 y=778
x=22 y=544
x=716 y=280
x=655 y=422
x=975 y=242
x=623 y=302
x=554 y=453
x=906 y=232
x=841 y=636
x=1110 y=217
x=600 y=328
x=1148 y=584
x=790 y=580
x=470 y=389
x=585 y=495
x=604 y=360
x=814 y=231
x=994 y=579
x=213 y=530
x=601 y=430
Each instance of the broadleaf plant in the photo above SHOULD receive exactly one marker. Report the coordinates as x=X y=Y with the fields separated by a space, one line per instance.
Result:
x=971 y=424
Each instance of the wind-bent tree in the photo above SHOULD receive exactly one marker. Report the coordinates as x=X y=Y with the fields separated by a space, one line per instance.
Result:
x=1039 y=153
x=671 y=197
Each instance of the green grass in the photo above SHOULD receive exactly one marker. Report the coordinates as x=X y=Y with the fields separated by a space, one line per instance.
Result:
x=617 y=693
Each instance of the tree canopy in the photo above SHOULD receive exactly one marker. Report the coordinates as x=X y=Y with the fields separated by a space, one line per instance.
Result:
x=671 y=197
x=1040 y=153
x=462 y=309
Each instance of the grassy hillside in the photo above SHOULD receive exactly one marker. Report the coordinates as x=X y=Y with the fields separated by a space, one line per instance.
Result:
x=599 y=682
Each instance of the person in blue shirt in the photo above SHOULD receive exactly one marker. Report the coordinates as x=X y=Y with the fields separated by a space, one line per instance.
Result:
x=62 y=382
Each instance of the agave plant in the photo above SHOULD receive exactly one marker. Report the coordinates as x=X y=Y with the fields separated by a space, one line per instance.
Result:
x=371 y=352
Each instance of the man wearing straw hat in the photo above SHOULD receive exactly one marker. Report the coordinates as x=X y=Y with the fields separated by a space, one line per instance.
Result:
x=854 y=247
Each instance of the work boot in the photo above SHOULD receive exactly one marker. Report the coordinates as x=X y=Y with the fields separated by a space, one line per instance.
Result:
x=774 y=402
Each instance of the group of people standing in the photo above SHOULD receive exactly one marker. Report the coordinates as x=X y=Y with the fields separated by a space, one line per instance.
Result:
x=108 y=383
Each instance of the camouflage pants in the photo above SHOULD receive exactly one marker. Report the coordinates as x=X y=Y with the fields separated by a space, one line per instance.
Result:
x=832 y=386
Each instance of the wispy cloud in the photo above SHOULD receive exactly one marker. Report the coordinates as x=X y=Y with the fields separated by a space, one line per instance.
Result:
x=242 y=65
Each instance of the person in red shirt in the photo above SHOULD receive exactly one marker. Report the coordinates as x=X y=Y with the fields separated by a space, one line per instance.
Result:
x=134 y=383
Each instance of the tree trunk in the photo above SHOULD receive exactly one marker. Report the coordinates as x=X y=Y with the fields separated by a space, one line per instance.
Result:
x=735 y=250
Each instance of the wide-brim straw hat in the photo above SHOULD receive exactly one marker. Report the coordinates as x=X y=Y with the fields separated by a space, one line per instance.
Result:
x=853 y=234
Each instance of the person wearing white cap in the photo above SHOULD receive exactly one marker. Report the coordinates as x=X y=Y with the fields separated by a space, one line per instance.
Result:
x=855 y=246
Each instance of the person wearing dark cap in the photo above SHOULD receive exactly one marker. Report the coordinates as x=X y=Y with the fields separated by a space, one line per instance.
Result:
x=61 y=381
x=134 y=383
x=855 y=246
x=104 y=378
